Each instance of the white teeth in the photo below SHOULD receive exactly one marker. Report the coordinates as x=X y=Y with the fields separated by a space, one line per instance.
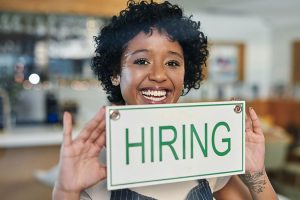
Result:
x=155 y=95
x=155 y=98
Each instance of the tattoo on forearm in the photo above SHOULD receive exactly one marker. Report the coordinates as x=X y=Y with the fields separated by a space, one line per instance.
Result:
x=255 y=181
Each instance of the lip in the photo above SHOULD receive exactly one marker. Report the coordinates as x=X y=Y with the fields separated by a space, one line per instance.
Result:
x=154 y=95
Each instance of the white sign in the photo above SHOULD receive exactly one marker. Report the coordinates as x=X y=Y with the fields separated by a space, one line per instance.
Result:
x=155 y=144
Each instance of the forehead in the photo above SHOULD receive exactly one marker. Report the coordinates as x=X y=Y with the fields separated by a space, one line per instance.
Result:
x=152 y=40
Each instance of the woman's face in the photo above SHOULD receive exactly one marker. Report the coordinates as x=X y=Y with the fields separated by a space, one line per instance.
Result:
x=152 y=70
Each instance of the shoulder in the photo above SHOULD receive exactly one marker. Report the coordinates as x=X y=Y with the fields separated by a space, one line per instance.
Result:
x=218 y=183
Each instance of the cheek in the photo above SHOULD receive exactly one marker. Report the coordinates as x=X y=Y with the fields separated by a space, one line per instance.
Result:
x=130 y=80
x=126 y=80
x=178 y=79
x=180 y=85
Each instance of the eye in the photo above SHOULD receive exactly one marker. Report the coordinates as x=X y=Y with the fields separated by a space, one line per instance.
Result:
x=173 y=63
x=141 y=61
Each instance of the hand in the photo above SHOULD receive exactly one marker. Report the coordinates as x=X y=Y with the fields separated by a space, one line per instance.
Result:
x=255 y=177
x=79 y=166
x=255 y=143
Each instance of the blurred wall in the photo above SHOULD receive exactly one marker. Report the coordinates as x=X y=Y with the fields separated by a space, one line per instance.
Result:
x=282 y=39
x=256 y=36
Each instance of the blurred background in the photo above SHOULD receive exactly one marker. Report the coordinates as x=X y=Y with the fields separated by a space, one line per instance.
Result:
x=45 y=52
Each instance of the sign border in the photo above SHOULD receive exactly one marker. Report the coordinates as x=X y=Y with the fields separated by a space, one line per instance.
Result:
x=177 y=105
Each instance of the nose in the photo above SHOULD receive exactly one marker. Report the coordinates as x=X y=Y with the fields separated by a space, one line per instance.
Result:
x=158 y=73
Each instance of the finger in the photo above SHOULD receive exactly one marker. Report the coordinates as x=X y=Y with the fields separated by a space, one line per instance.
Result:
x=248 y=123
x=100 y=126
x=97 y=132
x=67 y=123
x=92 y=125
x=255 y=121
x=101 y=140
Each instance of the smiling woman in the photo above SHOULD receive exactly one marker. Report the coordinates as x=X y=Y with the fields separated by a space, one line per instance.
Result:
x=152 y=54
x=152 y=69
x=135 y=37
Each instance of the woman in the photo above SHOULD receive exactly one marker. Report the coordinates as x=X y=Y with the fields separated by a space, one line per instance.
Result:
x=151 y=54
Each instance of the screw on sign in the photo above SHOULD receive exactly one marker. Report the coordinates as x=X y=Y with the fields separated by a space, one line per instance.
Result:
x=114 y=115
x=238 y=108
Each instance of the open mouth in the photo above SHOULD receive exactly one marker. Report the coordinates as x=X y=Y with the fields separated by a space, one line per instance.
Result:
x=154 y=95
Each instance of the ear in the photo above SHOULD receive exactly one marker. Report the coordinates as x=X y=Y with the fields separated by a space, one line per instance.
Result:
x=115 y=80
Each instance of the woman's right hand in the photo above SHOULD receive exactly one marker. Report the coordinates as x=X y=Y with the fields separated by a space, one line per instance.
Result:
x=79 y=165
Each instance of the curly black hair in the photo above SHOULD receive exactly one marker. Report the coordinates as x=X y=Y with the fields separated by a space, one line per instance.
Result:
x=143 y=16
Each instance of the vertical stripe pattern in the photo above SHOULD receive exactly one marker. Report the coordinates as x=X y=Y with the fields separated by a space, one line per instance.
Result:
x=126 y=194
x=200 y=192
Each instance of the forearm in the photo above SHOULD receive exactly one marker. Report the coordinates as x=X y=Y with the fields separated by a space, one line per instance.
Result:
x=259 y=185
x=58 y=194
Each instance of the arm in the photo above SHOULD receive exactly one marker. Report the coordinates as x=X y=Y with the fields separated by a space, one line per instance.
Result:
x=254 y=184
x=79 y=166
x=234 y=189
x=259 y=185
x=260 y=188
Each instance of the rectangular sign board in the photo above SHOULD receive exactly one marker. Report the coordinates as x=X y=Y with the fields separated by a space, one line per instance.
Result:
x=156 y=144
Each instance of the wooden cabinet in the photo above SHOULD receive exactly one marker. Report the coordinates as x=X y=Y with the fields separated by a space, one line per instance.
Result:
x=283 y=112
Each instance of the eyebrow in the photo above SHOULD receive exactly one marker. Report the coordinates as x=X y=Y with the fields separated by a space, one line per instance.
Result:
x=176 y=53
x=135 y=52
x=146 y=50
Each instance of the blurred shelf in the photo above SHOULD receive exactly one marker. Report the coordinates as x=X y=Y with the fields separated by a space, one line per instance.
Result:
x=32 y=137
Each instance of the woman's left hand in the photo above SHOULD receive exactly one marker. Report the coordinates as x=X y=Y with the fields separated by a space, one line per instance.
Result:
x=255 y=177
x=255 y=143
